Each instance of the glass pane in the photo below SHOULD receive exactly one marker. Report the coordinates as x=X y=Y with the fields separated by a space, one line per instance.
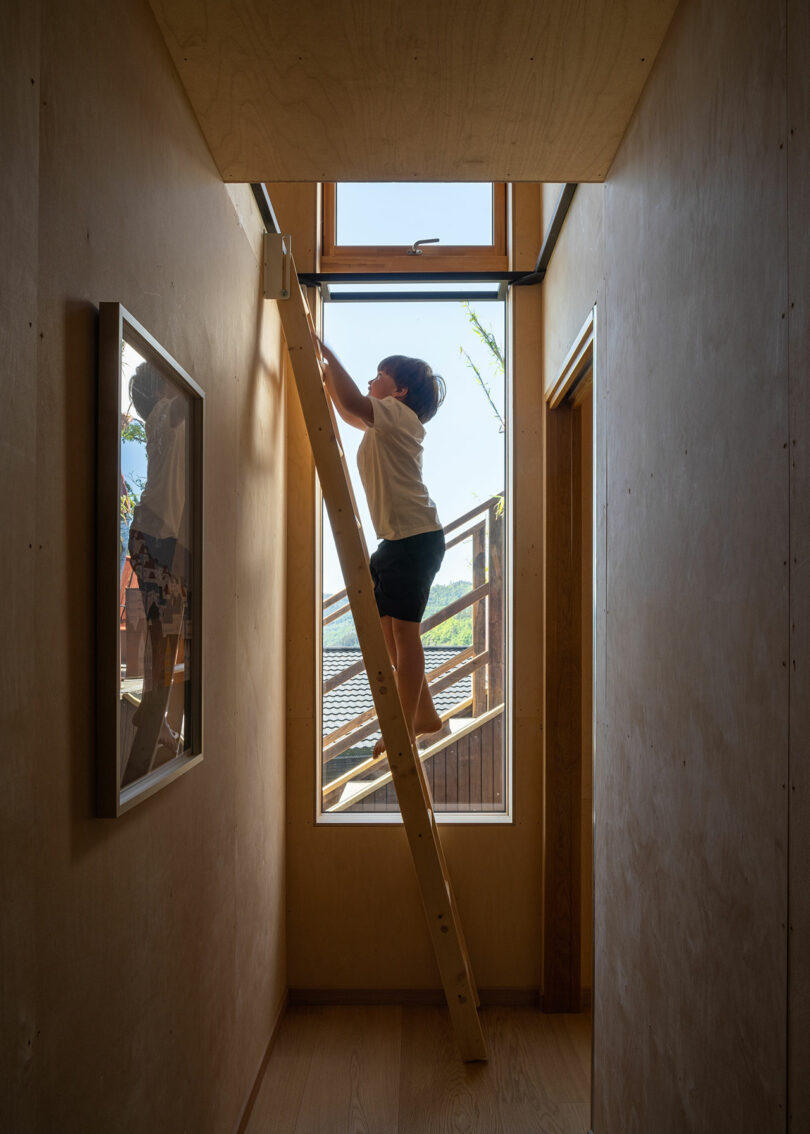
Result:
x=370 y=213
x=464 y=469
x=484 y=290
x=154 y=555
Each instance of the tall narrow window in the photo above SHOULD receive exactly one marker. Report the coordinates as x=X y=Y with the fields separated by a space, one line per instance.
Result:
x=369 y=234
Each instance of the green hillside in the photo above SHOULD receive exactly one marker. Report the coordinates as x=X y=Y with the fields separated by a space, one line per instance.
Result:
x=457 y=631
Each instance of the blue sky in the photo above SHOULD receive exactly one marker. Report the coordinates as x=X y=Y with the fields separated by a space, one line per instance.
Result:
x=393 y=213
x=133 y=454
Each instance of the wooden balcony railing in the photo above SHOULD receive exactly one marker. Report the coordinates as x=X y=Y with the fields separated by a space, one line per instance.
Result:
x=483 y=661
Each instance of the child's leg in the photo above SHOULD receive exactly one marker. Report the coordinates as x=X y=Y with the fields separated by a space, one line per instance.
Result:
x=427 y=718
x=417 y=704
x=408 y=658
x=388 y=634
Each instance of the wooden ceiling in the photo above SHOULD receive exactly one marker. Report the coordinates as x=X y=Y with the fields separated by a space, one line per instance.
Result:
x=396 y=90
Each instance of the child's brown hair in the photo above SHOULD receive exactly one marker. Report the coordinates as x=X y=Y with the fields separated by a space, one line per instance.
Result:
x=425 y=390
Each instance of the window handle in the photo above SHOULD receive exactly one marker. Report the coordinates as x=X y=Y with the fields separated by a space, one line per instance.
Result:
x=416 y=248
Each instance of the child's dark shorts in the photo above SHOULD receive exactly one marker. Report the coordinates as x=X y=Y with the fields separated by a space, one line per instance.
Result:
x=403 y=570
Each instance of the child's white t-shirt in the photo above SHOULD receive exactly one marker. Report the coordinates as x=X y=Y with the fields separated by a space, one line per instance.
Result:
x=390 y=464
x=162 y=506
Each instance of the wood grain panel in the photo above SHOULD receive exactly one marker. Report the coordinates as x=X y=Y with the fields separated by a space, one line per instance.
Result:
x=352 y=1081
x=392 y=1070
x=798 y=151
x=438 y=1093
x=691 y=864
x=526 y=91
x=539 y=1065
x=283 y=1083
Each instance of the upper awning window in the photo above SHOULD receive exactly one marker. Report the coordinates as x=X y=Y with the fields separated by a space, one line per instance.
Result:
x=371 y=213
x=371 y=226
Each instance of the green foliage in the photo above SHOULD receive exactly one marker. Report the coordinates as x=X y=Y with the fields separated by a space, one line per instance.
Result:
x=133 y=430
x=340 y=634
x=487 y=338
x=456 y=631
x=126 y=502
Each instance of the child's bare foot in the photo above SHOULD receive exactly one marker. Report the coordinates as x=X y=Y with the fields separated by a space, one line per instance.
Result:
x=428 y=724
x=170 y=739
x=379 y=748
x=167 y=738
x=428 y=738
x=426 y=727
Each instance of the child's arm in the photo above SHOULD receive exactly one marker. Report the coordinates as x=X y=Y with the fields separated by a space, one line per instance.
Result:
x=352 y=405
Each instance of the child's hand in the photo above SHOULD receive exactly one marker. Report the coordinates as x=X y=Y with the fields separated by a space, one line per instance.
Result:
x=320 y=348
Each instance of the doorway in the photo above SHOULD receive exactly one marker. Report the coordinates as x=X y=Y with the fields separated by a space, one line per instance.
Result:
x=569 y=618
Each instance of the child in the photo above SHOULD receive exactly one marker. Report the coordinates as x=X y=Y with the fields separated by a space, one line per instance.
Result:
x=158 y=549
x=404 y=394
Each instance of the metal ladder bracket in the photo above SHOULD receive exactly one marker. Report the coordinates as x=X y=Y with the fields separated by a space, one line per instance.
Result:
x=277 y=265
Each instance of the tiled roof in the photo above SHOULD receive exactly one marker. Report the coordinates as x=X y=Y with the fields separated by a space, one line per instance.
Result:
x=353 y=697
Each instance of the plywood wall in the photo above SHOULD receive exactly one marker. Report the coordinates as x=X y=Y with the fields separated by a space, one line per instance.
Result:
x=143 y=958
x=695 y=530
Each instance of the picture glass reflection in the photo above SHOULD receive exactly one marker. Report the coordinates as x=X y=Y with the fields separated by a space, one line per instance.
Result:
x=155 y=568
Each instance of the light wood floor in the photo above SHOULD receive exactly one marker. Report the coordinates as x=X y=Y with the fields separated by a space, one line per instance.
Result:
x=395 y=1070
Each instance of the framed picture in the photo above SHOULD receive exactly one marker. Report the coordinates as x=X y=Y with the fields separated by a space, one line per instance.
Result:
x=149 y=565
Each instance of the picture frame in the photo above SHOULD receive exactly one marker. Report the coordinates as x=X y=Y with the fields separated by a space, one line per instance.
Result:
x=149 y=565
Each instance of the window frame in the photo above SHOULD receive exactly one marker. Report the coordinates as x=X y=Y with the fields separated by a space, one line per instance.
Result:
x=395 y=258
x=471 y=818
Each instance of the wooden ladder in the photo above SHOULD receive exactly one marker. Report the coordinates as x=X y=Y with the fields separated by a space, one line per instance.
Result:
x=406 y=768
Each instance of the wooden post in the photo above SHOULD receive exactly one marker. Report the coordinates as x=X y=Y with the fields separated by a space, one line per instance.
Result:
x=495 y=613
x=479 y=622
